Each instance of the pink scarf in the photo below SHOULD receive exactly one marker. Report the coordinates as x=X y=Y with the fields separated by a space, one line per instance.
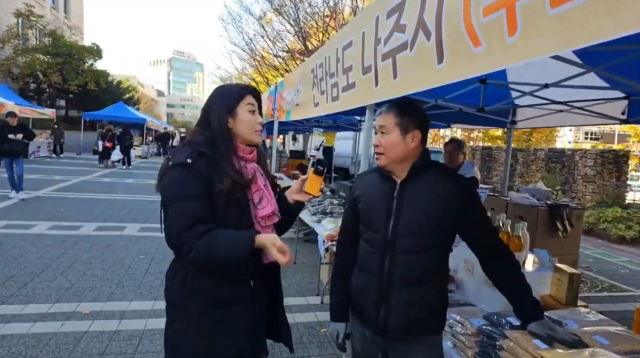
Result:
x=264 y=208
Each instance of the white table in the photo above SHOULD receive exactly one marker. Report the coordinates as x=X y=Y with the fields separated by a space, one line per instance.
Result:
x=323 y=247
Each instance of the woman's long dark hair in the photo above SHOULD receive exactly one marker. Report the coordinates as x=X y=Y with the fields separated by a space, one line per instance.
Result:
x=213 y=129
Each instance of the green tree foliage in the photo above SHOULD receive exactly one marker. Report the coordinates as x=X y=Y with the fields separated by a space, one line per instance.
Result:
x=48 y=67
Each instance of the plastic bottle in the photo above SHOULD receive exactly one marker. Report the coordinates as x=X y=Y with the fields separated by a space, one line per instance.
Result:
x=516 y=244
x=505 y=233
x=526 y=240
x=500 y=221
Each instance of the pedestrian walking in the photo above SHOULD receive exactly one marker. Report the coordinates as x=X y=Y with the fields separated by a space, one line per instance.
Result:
x=108 y=146
x=223 y=217
x=125 y=141
x=14 y=142
x=57 y=134
x=164 y=140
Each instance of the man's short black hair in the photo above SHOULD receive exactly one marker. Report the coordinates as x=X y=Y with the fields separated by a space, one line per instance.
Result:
x=410 y=116
x=11 y=114
x=458 y=144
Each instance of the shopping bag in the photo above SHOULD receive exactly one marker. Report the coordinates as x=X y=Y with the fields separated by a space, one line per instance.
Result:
x=100 y=143
x=116 y=155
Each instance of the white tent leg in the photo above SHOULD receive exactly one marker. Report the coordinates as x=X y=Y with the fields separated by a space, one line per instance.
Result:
x=367 y=138
x=504 y=187
x=274 y=146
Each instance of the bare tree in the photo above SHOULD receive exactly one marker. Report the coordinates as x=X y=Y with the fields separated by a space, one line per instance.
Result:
x=270 y=38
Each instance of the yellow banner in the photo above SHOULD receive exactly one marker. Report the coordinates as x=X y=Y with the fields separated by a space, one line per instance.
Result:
x=398 y=47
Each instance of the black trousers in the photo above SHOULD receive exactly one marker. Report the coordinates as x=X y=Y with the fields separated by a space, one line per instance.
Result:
x=58 y=149
x=365 y=344
x=126 y=156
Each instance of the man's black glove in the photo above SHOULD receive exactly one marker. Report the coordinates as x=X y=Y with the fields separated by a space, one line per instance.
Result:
x=550 y=333
x=338 y=333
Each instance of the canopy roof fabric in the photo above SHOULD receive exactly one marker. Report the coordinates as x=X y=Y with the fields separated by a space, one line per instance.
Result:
x=121 y=113
x=10 y=101
x=325 y=124
x=595 y=85
x=153 y=122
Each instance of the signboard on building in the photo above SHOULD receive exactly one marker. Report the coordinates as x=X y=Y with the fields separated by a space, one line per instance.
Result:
x=185 y=55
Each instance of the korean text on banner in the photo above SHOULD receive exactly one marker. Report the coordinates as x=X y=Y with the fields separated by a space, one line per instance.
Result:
x=398 y=47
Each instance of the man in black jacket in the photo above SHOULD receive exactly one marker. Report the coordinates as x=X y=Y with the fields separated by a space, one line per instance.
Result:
x=14 y=141
x=392 y=260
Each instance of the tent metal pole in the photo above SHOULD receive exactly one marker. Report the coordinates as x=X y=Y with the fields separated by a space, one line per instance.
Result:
x=504 y=187
x=365 y=158
x=81 y=150
x=274 y=146
x=274 y=136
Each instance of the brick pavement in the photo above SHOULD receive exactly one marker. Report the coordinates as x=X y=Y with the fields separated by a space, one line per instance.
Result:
x=82 y=269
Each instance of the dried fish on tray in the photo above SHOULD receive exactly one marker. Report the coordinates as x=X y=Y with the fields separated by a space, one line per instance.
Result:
x=326 y=206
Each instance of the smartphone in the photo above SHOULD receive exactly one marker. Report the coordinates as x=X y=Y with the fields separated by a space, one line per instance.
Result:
x=315 y=178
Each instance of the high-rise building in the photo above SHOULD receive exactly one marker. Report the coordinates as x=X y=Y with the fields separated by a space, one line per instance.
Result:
x=66 y=13
x=181 y=74
x=181 y=77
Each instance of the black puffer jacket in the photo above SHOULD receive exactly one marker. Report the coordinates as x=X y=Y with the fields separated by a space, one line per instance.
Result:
x=392 y=260
x=222 y=300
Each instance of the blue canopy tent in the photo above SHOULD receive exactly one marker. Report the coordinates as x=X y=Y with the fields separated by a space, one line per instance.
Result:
x=10 y=101
x=122 y=114
x=594 y=85
x=153 y=122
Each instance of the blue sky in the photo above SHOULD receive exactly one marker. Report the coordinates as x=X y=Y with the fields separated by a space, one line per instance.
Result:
x=133 y=32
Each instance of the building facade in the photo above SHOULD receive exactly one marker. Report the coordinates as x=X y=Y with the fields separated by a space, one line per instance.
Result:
x=181 y=74
x=63 y=13
x=156 y=96
x=592 y=136
x=184 y=108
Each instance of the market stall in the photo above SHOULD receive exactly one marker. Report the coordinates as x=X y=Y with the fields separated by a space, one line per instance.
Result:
x=477 y=75
x=10 y=101
x=41 y=146
x=120 y=113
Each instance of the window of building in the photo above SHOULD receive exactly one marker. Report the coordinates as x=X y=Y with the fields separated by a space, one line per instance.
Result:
x=591 y=136
x=54 y=3
x=66 y=8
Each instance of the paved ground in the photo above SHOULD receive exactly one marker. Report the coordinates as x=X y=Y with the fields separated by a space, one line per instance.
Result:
x=82 y=268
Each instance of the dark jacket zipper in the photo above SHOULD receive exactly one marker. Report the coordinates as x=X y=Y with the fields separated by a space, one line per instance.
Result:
x=385 y=273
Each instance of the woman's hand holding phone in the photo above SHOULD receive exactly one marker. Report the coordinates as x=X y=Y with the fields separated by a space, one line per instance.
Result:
x=274 y=247
x=296 y=193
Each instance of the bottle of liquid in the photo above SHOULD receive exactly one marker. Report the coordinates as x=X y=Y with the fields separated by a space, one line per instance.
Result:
x=516 y=243
x=526 y=240
x=505 y=233
x=500 y=221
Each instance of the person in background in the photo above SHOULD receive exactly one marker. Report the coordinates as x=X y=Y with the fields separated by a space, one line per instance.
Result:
x=14 y=141
x=125 y=141
x=99 y=143
x=164 y=140
x=223 y=218
x=183 y=134
x=57 y=134
x=391 y=269
x=455 y=155
x=175 y=140
x=108 y=145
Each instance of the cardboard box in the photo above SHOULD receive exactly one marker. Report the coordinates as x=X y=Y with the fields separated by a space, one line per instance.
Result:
x=496 y=205
x=550 y=304
x=542 y=231
x=569 y=260
x=565 y=285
